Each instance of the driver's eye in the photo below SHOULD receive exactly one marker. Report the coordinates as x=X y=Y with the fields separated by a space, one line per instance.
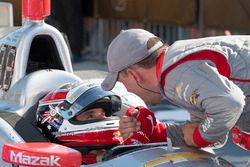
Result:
x=84 y=117
x=90 y=116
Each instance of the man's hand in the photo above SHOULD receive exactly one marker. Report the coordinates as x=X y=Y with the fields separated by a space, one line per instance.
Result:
x=148 y=124
x=188 y=131
x=129 y=124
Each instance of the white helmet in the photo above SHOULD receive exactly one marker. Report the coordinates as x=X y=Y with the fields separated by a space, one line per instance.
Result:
x=57 y=111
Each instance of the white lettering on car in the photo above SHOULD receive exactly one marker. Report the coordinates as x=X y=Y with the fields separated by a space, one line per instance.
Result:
x=23 y=159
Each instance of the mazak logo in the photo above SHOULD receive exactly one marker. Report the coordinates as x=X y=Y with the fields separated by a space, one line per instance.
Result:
x=19 y=157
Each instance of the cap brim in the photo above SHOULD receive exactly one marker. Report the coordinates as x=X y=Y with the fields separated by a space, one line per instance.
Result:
x=109 y=82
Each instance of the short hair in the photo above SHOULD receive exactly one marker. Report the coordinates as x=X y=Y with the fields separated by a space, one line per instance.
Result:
x=151 y=60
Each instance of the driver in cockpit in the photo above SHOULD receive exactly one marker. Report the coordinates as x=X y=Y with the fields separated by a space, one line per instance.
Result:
x=83 y=117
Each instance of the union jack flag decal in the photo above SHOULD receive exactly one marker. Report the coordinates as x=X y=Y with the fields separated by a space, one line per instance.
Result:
x=51 y=116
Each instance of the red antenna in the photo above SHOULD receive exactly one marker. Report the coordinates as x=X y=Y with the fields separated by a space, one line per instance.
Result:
x=35 y=9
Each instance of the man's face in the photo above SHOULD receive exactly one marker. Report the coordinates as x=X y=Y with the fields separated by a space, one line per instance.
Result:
x=91 y=114
x=132 y=86
x=129 y=83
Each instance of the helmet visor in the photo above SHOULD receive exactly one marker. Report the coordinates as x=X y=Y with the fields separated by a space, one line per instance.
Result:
x=82 y=98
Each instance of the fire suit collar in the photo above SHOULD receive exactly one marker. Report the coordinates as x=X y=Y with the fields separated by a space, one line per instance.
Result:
x=159 y=63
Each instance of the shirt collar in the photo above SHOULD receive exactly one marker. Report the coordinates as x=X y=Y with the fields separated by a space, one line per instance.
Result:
x=159 y=63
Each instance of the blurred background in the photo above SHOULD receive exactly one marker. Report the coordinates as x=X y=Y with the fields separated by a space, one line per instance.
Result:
x=90 y=25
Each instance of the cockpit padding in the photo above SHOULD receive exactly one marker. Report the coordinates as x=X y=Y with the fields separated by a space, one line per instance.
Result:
x=24 y=128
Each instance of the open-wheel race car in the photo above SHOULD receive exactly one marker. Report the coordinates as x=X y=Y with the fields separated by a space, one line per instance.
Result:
x=35 y=59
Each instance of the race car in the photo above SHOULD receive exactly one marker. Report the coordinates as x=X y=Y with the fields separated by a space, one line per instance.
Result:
x=35 y=59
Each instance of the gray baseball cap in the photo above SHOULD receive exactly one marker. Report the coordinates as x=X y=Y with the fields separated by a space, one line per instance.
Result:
x=127 y=48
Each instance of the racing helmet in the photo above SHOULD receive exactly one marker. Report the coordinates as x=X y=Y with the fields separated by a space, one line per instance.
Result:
x=57 y=112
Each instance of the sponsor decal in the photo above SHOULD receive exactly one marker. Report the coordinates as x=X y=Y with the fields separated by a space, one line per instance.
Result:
x=59 y=134
x=143 y=134
x=72 y=98
x=184 y=92
x=150 y=118
x=207 y=123
x=178 y=90
x=175 y=158
x=25 y=159
x=193 y=98
x=135 y=142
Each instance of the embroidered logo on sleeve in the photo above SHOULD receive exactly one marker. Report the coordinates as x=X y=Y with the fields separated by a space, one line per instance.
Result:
x=193 y=98
x=207 y=123
x=178 y=90
x=181 y=91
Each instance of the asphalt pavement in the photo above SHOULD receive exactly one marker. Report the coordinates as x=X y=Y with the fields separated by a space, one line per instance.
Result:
x=88 y=69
